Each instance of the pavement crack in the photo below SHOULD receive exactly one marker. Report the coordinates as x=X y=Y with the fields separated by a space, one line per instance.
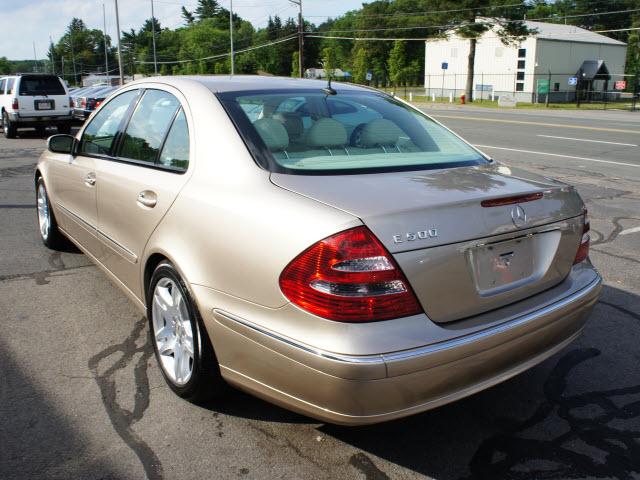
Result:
x=622 y=257
x=42 y=277
x=121 y=418
x=616 y=231
x=281 y=441
x=512 y=455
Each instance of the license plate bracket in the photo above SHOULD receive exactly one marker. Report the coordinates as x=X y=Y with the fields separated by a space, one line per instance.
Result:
x=43 y=104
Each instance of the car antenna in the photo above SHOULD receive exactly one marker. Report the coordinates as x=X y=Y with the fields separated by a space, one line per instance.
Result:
x=328 y=89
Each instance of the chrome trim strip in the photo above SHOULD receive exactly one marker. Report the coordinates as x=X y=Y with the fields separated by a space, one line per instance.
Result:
x=77 y=217
x=427 y=350
x=365 y=359
x=133 y=257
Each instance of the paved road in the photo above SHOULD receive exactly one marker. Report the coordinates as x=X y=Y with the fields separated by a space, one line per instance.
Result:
x=82 y=397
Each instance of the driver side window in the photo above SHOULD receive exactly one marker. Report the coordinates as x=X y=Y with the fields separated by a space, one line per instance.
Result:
x=99 y=135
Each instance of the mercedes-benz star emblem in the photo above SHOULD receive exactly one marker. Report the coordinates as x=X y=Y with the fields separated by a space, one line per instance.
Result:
x=518 y=216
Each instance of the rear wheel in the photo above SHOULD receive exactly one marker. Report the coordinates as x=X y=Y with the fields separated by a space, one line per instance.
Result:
x=49 y=233
x=10 y=128
x=180 y=341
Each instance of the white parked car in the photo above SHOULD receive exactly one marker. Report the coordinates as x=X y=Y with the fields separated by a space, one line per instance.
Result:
x=34 y=101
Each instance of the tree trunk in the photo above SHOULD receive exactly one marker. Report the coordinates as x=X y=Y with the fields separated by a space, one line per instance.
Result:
x=471 y=69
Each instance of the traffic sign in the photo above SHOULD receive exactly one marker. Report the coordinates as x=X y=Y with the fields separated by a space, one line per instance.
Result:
x=369 y=76
x=573 y=81
x=542 y=85
x=445 y=65
x=620 y=85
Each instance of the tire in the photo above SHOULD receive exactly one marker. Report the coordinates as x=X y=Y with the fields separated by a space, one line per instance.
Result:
x=10 y=128
x=41 y=131
x=47 y=225
x=64 y=128
x=197 y=377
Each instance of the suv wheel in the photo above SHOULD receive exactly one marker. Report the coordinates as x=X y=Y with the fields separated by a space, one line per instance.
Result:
x=10 y=128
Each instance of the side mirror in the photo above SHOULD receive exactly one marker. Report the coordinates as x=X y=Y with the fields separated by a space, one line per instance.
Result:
x=61 y=143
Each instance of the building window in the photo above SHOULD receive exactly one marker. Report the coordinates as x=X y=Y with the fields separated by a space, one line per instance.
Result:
x=519 y=87
x=522 y=52
x=521 y=64
x=520 y=76
x=556 y=87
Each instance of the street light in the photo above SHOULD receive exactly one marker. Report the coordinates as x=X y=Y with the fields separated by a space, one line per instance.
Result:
x=300 y=37
x=233 y=62
x=119 y=49
x=153 y=36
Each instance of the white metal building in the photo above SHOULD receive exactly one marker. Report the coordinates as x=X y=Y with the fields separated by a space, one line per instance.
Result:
x=556 y=53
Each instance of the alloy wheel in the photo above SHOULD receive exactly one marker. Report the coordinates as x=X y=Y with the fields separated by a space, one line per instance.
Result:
x=44 y=213
x=172 y=331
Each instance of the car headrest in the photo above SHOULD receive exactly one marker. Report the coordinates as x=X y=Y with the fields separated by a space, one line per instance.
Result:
x=379 y=132
x=326 y=132
x=273 y=134
x=291 y=122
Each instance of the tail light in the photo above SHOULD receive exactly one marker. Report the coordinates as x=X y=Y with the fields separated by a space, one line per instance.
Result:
x=14 y=104
x=98 y=103
x=349 y=277
x=583 y=249
x=83 y=103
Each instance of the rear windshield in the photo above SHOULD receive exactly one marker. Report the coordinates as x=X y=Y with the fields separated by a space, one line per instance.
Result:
x=310 y=132
x=41 y=85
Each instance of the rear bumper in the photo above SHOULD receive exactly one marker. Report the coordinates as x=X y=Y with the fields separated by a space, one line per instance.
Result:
x=49 y=119
x=363 y=389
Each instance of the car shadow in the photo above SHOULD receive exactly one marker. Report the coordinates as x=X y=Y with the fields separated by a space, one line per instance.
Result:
x=575 y=415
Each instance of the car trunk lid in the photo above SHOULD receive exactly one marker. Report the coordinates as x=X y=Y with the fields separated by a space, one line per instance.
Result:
x=462 y=258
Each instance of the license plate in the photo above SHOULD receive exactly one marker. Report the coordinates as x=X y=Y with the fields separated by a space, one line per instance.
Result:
x=502 y=264
x=44 y=105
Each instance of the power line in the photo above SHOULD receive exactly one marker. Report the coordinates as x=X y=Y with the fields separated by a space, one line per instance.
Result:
x=212 y=57
x=428 y=12
x=449 y=26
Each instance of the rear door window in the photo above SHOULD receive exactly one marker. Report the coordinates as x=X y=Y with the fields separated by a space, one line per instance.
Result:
x=41 y=85
x=98 y=138
x=10 y=84
x=2 y=85
x=175 y=153
x=148 y=126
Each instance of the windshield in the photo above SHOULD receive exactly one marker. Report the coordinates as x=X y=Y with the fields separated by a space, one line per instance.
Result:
x=308 y=131
x=41 y=85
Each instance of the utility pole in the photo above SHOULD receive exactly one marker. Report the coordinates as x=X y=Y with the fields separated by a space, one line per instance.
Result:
x=53 y=58
x=119 y=49
x=104 y=34
x=73 y=57
x=153 y=36
x=233 y=61
x=300 y=38
x=35 y=58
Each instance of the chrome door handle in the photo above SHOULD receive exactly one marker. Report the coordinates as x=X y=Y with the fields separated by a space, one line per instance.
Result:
x=90 y=179
x=147 y=198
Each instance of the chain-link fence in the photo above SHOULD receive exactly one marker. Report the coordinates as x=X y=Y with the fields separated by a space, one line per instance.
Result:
x=602 y=91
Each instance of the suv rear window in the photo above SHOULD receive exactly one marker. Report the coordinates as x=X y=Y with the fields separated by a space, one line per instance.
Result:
x=41 y=85
x=309 y=132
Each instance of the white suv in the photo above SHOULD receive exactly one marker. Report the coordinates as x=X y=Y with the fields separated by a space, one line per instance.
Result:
x=34 y=100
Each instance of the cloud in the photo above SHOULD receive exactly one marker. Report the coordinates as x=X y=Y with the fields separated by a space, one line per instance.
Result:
x=24 y=22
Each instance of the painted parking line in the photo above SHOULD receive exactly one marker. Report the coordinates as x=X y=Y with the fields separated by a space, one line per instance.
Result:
x=630 y=230
x=597 y=160
x=588 y=140
x=541 y=124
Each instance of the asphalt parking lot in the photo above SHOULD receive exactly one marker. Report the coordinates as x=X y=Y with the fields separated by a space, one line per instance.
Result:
x=82 y=397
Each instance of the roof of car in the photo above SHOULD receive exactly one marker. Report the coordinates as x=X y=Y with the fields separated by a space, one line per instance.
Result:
x=240 y=83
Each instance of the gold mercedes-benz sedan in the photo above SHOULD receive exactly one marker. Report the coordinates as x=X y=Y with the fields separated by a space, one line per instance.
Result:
x=330 y=249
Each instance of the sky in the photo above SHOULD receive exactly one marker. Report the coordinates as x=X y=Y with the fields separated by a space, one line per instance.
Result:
x=24 y=22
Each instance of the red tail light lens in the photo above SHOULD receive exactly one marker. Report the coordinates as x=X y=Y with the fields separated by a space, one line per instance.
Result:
x=83 y=103
x=14 y=104
x=349 y=277
x=583 y=249
x=98 y=103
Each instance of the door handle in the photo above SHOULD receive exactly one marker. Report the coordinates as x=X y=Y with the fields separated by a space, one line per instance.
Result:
x=90 y=179
x=147 y=198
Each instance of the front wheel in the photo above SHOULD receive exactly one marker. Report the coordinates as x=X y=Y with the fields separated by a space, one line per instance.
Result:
x=181 y=344
x=48 y=226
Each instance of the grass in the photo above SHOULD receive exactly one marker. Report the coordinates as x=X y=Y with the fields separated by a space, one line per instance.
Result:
x=422 y=99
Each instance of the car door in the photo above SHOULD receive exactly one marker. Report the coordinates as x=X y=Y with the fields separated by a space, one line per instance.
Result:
x=73 y=178
x=138 y=186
